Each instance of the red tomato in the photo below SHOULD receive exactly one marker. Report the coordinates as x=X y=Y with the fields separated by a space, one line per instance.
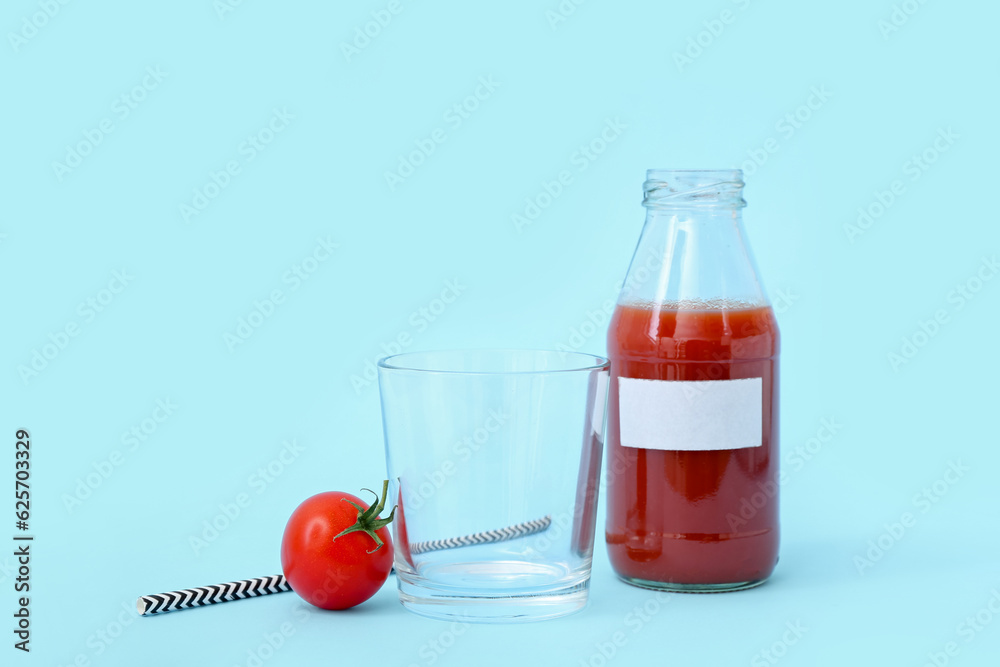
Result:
x=336 y=552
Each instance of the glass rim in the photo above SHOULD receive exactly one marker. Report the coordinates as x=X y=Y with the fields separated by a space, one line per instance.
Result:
x=595 y=362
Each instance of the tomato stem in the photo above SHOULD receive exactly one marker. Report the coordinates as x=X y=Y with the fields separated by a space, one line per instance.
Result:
x=368 y=521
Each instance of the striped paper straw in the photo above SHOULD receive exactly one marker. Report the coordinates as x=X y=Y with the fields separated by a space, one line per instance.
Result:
x=205 y=595
x=486 y=537
x=160 y=603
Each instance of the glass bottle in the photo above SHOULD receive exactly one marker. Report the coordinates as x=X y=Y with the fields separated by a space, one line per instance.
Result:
x=693 y=403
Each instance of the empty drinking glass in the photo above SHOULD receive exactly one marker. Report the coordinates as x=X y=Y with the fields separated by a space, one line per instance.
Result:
x=494 y=457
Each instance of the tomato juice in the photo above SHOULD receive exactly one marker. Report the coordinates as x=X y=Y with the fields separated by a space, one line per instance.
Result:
x=694 y=520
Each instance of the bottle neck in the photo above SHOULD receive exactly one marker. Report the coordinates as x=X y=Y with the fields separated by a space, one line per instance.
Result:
x=666 y=189
x=722 y=216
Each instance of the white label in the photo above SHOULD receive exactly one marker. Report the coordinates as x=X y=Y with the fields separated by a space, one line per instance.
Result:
x=690 y=416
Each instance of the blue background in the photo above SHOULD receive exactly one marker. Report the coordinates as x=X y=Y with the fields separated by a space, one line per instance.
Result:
x=689 y=86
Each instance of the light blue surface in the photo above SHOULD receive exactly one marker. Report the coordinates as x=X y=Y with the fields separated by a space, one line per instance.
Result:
x=335 y=123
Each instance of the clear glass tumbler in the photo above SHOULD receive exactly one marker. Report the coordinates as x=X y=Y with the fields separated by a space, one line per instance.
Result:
x=494 y=457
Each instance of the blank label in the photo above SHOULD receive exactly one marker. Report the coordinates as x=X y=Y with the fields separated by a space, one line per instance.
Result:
x=690 y=416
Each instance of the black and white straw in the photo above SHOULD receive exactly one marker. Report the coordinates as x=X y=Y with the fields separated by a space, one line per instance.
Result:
x=189 y=598
x=486 y=537
x=206 y=595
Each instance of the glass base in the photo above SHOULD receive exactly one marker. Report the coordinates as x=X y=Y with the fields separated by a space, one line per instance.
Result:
x=692 y=588
x=487 y=606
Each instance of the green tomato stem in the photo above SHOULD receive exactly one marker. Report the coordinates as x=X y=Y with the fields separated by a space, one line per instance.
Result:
x=368 y=521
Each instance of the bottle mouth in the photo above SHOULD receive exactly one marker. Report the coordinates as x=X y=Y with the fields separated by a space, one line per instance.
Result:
x=687 y=188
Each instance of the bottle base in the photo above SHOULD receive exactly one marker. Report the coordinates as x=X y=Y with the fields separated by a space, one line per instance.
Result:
x=692 y=588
